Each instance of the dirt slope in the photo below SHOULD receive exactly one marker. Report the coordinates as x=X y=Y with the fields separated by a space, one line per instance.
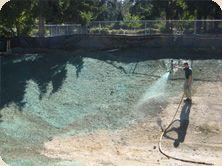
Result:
x=200 y=139
x=69 y=110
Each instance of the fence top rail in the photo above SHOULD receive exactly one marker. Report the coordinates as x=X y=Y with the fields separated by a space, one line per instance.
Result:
x=157 y=21
x=48 y=25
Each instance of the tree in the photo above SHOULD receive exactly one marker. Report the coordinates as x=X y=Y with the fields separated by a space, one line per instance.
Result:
x=16 y=18
x=112 y=11
x=203 y=10
x=144 y=9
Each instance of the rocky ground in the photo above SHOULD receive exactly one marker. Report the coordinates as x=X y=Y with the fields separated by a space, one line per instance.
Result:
x=89 y=111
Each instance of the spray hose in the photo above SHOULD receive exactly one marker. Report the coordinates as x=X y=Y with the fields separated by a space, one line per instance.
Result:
x=164 y=132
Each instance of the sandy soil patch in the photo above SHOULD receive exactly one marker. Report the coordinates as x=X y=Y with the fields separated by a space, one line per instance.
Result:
x=2 y=163
x=137 y=144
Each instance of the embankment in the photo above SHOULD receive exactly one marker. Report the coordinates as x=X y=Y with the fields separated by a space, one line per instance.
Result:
x=110 y=42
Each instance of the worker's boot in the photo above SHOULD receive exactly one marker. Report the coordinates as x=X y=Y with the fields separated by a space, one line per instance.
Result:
x=188 y=100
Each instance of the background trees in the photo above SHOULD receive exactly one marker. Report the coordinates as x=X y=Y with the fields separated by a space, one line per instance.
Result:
x=15 y=16
x=18 y=17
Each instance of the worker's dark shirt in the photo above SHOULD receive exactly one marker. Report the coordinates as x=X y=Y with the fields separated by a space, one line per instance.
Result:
x=188 y=72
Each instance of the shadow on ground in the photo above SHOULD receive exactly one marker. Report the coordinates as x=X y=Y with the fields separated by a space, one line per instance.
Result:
x=16 y=71
x=51 y=67
x=182 y=129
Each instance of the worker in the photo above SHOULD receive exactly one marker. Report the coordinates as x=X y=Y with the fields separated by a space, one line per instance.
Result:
x=188 y=82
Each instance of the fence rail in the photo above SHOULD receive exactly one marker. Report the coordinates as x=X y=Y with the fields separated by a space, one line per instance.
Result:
x=137 y=28
x=156 y=27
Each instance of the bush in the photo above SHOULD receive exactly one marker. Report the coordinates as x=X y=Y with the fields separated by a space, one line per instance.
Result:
x=132 y=21
x=104 y=31
x=94 y=30
x=86 y=17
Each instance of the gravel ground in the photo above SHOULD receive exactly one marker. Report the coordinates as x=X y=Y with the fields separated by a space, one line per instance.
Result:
x=63 y=96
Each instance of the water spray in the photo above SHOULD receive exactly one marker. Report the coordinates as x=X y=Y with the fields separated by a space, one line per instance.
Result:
x=157 y=89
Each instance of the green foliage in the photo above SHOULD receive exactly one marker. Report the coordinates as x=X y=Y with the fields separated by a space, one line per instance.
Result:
x=86 y=17
x=144 y=10
x=18 y=17
x=132 y=21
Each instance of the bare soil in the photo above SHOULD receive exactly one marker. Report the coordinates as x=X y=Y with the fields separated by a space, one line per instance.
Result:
x=137 y=144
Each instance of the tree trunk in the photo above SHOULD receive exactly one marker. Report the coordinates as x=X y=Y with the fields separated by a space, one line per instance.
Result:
x=17 y=30
x=168 y=17
x=167 y=20
x=41 y=24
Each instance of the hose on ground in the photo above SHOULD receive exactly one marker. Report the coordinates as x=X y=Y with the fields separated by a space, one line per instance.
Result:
x=164 y=132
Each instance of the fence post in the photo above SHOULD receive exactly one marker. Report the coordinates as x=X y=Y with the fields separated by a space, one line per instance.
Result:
x=8 y=46
x=145 y=29
x=50 y=31
x=150 y=27
x=67 y=30
x=100 y=28
x=41 y=26
x=195 y=27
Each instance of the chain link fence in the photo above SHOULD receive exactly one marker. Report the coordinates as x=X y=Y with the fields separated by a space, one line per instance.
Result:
x=156 y=27
x=52 y=30
x=63 y=30
x=133 y=28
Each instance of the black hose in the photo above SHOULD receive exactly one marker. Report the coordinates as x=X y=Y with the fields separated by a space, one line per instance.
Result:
x=164 y=132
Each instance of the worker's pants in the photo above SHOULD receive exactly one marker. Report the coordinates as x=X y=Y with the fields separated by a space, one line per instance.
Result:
x=187 y=89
